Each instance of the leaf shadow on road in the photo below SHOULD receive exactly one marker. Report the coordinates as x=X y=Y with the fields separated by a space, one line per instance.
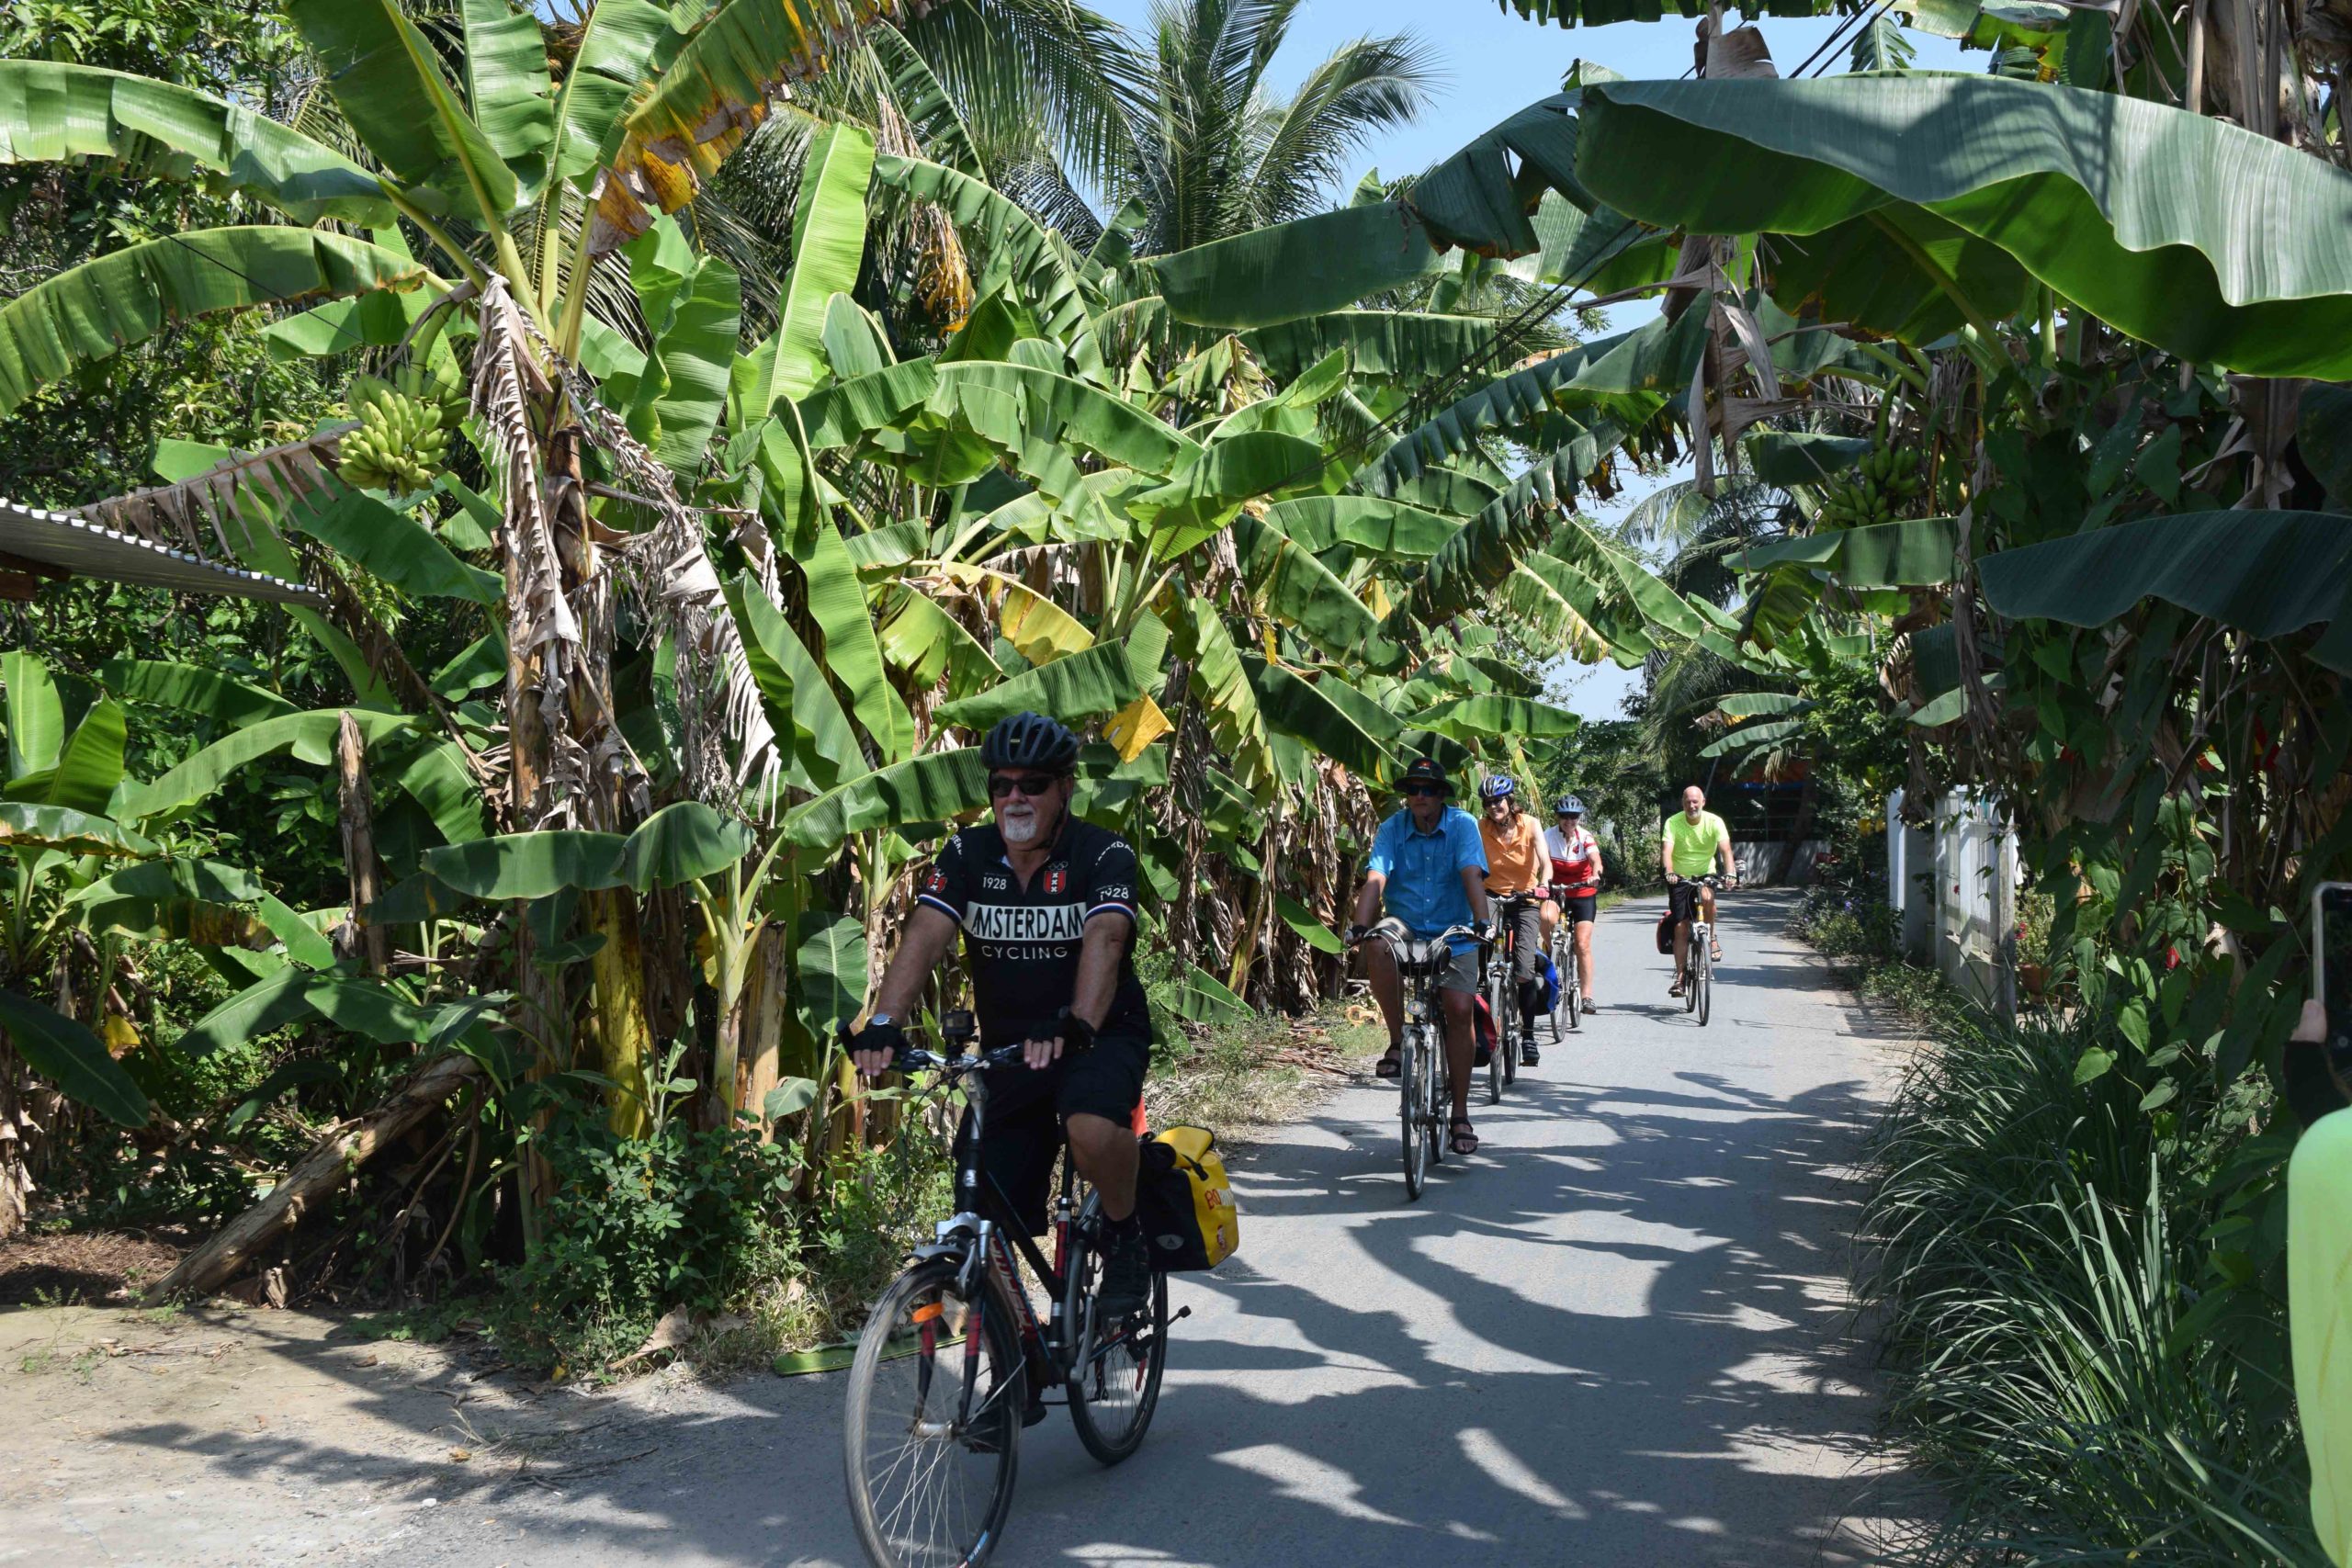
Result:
x=1619 y=1336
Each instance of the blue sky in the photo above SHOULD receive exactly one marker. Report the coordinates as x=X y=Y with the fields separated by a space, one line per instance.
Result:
x=1495 y=64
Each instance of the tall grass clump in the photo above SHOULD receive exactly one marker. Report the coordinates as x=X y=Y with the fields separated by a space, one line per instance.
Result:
x=2040 y=1249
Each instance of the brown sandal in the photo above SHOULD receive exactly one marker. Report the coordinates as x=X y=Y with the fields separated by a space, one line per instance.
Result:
x=1464 y=1138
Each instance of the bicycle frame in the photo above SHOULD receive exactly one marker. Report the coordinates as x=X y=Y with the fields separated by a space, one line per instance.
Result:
x=989 y=1242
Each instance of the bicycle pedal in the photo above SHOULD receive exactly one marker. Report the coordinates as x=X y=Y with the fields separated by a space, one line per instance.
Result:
x=1181 y=1314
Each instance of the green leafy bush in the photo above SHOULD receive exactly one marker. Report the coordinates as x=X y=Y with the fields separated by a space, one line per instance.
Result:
x=635 y=1226
x=2040 y=1249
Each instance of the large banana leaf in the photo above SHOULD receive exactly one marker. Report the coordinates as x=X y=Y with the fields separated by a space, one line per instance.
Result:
x=1402 y=345
x=828 y=246
x=1306 y=709
x=835 y=598
x=50 y=110
x=930 y=788
x=1483 y=551
x=198 y=901
x=801 y=703
x=90 y=764
x=1479 y=199
x=309 y=736
x=124 y=296
x=1914 y=552
x=1494 y=714
x=1017 y=249
x=2185 y=231
x=693 y=306
x=26 y=825
x=386 y=79
x=1063 y=410
x=675 y=845
x=1283 y=577
x=712 y=94
x=1305 y=267
x=1390 y=529
x=1101 y=680
x=621 y=42
x=507 y=87
x=36 y=713
x=70 y=1056
x=1203 y=640
x=392 y=544
x=1556 y=602
x=926 y=642
x=2267 y=573
x=1628 y=376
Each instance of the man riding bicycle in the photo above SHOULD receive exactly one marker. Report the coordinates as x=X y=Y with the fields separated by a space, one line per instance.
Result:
x=1575 y=854
x=1046 y=904
x=1692 y=844
x=1429 y=871
x=1516 y=863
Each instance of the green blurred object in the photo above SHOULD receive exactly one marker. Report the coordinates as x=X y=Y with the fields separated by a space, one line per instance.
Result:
x=2318 y=1307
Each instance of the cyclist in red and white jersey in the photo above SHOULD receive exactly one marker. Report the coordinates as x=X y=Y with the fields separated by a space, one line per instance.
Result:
x=1576 y=884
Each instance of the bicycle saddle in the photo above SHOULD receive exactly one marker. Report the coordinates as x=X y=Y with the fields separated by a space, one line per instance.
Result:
x=1416 y=957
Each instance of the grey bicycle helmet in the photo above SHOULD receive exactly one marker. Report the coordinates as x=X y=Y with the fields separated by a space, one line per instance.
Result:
x=1030 y=740
x=1568 y=805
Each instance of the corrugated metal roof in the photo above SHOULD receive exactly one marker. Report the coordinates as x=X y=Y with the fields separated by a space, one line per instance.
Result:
x=84 y=549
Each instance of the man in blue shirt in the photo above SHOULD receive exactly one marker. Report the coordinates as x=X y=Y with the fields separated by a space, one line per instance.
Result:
x=1429 y=868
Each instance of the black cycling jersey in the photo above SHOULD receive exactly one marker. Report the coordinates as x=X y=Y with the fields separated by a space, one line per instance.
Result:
x=1022 y=943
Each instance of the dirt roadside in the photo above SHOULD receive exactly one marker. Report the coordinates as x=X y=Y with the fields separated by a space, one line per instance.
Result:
x=223 y=1437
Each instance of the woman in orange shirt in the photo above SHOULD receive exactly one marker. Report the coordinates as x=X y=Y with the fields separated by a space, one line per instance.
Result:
x=1515 y=862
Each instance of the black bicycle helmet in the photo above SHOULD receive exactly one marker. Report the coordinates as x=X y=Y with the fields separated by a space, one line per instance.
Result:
x=1030 y=740
x=1570 y=805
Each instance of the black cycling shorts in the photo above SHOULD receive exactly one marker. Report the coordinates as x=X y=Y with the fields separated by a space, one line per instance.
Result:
x=1027 y=1109
x=1683 y=900
x=1581 y=908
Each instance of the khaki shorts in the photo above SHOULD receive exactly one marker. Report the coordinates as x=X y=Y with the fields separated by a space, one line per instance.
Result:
x=1460 y=968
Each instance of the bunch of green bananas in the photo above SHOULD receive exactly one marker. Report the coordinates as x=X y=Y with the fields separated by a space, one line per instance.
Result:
x=403 y=430
x=1874 y=491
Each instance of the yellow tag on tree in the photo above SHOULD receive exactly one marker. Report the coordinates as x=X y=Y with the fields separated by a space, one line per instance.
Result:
x=1135 y=726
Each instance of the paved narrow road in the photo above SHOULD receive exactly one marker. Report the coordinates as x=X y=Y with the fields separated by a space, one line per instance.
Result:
x=1617 y=1337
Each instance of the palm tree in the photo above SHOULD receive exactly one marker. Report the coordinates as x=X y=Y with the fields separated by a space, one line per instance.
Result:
x=1190 y=133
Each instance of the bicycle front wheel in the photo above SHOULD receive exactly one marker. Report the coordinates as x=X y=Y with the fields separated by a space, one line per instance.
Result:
x=936 y=1396
x=1114 y=1378
x=1703 y=989
x=1498 y=1006
x=1412 y=1099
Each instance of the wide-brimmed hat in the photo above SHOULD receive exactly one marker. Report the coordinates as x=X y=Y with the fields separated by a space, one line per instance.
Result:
x=1424 y=770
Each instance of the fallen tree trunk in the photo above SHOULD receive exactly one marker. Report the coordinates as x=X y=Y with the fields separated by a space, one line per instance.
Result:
x=331 y=1160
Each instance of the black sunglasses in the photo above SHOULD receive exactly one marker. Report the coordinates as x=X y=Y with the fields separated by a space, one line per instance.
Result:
x=1424 y=789
x=1031 y=784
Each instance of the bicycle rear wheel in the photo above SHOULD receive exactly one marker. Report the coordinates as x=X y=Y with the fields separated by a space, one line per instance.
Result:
x=932 y=1436
x=1412 y=1092
x=1564 y=962
x=1114 y=1384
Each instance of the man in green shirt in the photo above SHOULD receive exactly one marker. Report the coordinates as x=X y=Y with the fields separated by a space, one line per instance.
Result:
x=1693 y=842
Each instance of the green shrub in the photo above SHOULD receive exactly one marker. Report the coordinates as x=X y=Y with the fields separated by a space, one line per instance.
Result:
x=635 y=1226
x=2037 y=1259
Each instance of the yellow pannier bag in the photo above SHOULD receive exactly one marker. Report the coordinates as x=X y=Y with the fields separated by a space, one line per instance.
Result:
x=1186 y=1203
